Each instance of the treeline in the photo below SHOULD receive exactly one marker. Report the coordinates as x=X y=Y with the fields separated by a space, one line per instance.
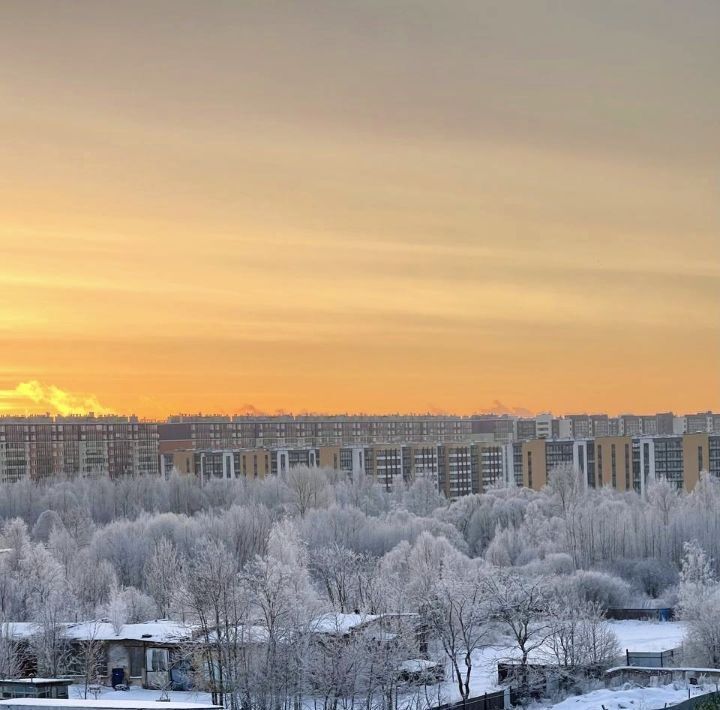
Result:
x=511 y=567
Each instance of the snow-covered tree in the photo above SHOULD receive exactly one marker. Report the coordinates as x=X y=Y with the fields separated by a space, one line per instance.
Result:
x=162 y=573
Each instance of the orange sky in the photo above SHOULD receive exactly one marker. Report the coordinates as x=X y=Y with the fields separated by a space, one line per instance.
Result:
x=377 y=206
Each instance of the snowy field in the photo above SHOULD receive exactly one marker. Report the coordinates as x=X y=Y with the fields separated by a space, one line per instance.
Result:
x=631 y=635
x=138 y=693
x=648 y=635
x=629 y=699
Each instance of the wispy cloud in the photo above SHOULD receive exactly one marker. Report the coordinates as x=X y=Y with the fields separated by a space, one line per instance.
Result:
x=35 y=396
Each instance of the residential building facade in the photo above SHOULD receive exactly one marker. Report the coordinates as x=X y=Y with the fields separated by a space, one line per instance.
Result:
x=459 y=455
x=38 y=448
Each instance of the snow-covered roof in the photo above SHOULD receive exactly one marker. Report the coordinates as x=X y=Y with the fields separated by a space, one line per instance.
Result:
x=338 y=624
x=664 y=669
x=244 y=634
x=36 y=681
x=160 y=631
x=18 y=630
x=107 y=704
x=417 y=665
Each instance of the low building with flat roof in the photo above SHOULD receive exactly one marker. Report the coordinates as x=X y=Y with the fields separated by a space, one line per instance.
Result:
x=56 y=688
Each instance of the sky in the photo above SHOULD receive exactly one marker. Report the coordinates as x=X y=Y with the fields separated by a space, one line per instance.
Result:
x=374 y=206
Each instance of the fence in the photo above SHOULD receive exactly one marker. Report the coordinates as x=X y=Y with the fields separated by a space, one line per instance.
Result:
x=535 y=679
x=663 y=676
x=499 y=700
x=623 y=614
x=653 y=659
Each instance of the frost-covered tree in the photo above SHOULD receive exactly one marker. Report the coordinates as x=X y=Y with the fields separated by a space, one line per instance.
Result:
x=457 y=610
x=423 y=497
x=211 y=593
x=565 y=482
x=47 y=521
x=308 y=488
x=162 y=573
x=663 y=496
x=50 y=603
x=283 y=602
x=699 y=605
x=580 y=642
x=117 y=611
x=520 y=605
x=10 y=652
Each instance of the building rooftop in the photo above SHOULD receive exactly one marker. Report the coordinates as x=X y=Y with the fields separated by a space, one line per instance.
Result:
x=106 y=704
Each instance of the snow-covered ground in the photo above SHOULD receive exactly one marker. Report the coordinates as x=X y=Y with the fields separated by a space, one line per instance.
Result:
x=631 y=635
x=137 y=693
x=633 y=698
x=648 y=635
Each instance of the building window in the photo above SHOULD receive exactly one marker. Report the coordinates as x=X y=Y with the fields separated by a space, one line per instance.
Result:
x=156 y=660
x=136 y=661
x=700 y=459
x=529 y=468
x=627 y=467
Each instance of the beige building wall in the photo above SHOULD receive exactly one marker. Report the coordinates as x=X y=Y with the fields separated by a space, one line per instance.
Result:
x=457 y=465
x=184 y=462
x=534 y=464
x=386 y=463
x=696 y=458
x=330 y=457
x=255 y=463
x=604 y=447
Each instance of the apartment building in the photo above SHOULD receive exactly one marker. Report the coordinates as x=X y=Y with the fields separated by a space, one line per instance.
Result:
x=459 y=454
x=456 y=469
x=226 y=432
x=37 y=448
x=622 y=462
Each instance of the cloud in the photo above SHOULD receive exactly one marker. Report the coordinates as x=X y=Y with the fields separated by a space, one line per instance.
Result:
x=33 y=395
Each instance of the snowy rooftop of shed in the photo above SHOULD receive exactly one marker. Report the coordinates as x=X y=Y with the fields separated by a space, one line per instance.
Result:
x=36 y=681
x=339 y=624
x=18 y=629
x=161 y=631
x=108 y=704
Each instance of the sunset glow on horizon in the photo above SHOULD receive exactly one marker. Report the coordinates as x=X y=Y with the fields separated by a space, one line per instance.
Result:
x=373 y=207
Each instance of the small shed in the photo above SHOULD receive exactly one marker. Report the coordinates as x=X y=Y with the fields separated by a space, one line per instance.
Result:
x=144 y=652
x=54 y=688
x=46 y=704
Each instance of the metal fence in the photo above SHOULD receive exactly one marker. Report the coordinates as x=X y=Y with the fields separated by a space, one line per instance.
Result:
x=623 y=614
x=498 y=700
x=653 y=659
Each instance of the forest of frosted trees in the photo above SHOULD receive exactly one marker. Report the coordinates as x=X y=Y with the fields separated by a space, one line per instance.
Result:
x=254 y=564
